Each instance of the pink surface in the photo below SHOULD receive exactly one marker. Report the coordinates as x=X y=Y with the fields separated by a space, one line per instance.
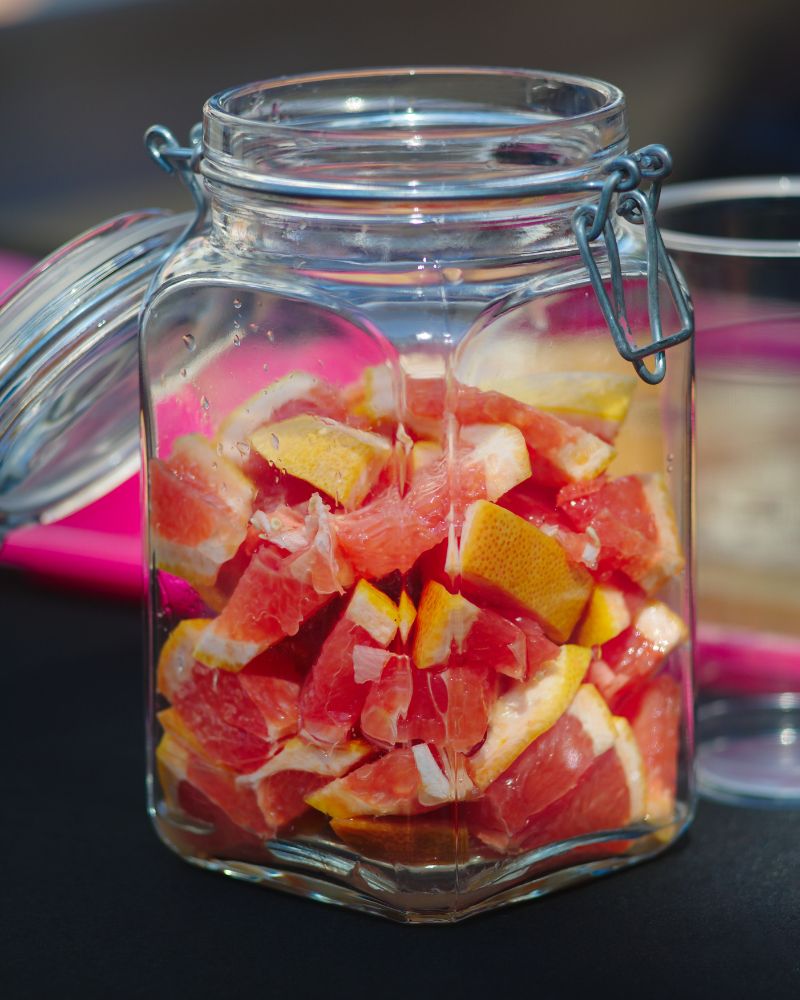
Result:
x=97 y=547
x=100 y=547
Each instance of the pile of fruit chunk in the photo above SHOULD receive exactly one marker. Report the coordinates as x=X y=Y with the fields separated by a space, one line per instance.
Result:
x=414 y=597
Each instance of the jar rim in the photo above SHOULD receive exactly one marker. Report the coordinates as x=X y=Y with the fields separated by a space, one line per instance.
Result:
x=435 y=132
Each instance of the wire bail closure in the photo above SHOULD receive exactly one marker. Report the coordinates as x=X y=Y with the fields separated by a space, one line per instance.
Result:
x=183 y=161
x=589 y=222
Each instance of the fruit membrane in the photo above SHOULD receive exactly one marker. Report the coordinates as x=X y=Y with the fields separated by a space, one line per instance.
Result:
x=430 y=633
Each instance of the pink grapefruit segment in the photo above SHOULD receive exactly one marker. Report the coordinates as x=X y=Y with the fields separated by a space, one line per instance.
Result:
x=550 y=767
x=633 y=520
x=563 y=453
x=631 y=658
x=341 y=461
x=503 y=555
x=200 y=505
x=269 y=603
x=655 y=719
x=449 y=623
x=403 y=782
x=332 y=697
x=609 y=796
x=217 y=783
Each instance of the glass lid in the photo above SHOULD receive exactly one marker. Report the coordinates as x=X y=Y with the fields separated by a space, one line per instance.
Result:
x=69 y=371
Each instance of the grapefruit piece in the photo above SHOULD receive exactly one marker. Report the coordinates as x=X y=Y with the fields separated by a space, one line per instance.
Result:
x=235 y=717
x=373 y=611
x=448 y=708
x=596 y=401
x=312 y=536
x=341 y=461
x=411 y=393
x=268 y=603
x=446 y=621
x=222 y=719
x=387 y=702
x=610 y=795
x=282 y=784
x=630 y=659
x=655 y=720
x=218 y=784
x=633 y=519
x=550 y=767
x=407 y=615
x=501 y=451
x=272 y=683
x=527 y=710
x=506 y=556
x=294 y=393
x=563 y=453
x=299 y=755
x=332 y=698
x=423 y=454
x=403 y=782
x=607 y=614
x=538 y=648
x=393 y=530
x=537 y=504
x=281 y=798
x=200 y=506
x=429 y=839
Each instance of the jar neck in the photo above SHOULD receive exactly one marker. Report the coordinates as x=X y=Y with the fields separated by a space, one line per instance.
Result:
x=388 y=234
x=393 y=165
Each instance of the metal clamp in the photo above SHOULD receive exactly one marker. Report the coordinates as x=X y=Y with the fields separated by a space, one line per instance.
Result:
x=589 y=222
x=184 y=161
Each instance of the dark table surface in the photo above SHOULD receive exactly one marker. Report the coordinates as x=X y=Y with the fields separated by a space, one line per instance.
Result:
x=93 y=904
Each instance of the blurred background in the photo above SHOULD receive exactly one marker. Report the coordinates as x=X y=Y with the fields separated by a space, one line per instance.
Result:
x=716 y=80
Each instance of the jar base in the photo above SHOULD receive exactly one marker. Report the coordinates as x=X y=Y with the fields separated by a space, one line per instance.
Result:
x=328 y=872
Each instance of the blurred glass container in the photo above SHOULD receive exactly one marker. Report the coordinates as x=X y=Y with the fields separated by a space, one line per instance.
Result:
x=420 y=621
x=737 y=243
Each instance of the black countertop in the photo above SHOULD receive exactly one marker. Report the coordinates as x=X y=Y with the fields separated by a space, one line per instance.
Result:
x=94 y=905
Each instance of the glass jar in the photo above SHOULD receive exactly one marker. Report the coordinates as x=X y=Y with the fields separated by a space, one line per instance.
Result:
x=418 y=533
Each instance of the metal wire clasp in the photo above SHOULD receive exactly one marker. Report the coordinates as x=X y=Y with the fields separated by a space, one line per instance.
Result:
x=589 y=222
x=184 y=161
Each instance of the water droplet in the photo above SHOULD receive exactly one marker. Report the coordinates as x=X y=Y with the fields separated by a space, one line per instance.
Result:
x=266 y=366
x=184 y=373
x=204 y=402
x=270 y=335
x=101 y=323
x=320 y=362
x=243 y=448
x=237 y=340
x=252 y=327
x=188 y=341
x=237 y=303
x=220 y=448
x=213 y=465
x=275 y=442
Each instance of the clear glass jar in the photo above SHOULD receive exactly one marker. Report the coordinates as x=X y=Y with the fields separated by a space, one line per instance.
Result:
x=418 y=535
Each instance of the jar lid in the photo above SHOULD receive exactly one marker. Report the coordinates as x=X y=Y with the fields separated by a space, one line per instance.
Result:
x=69 y=369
